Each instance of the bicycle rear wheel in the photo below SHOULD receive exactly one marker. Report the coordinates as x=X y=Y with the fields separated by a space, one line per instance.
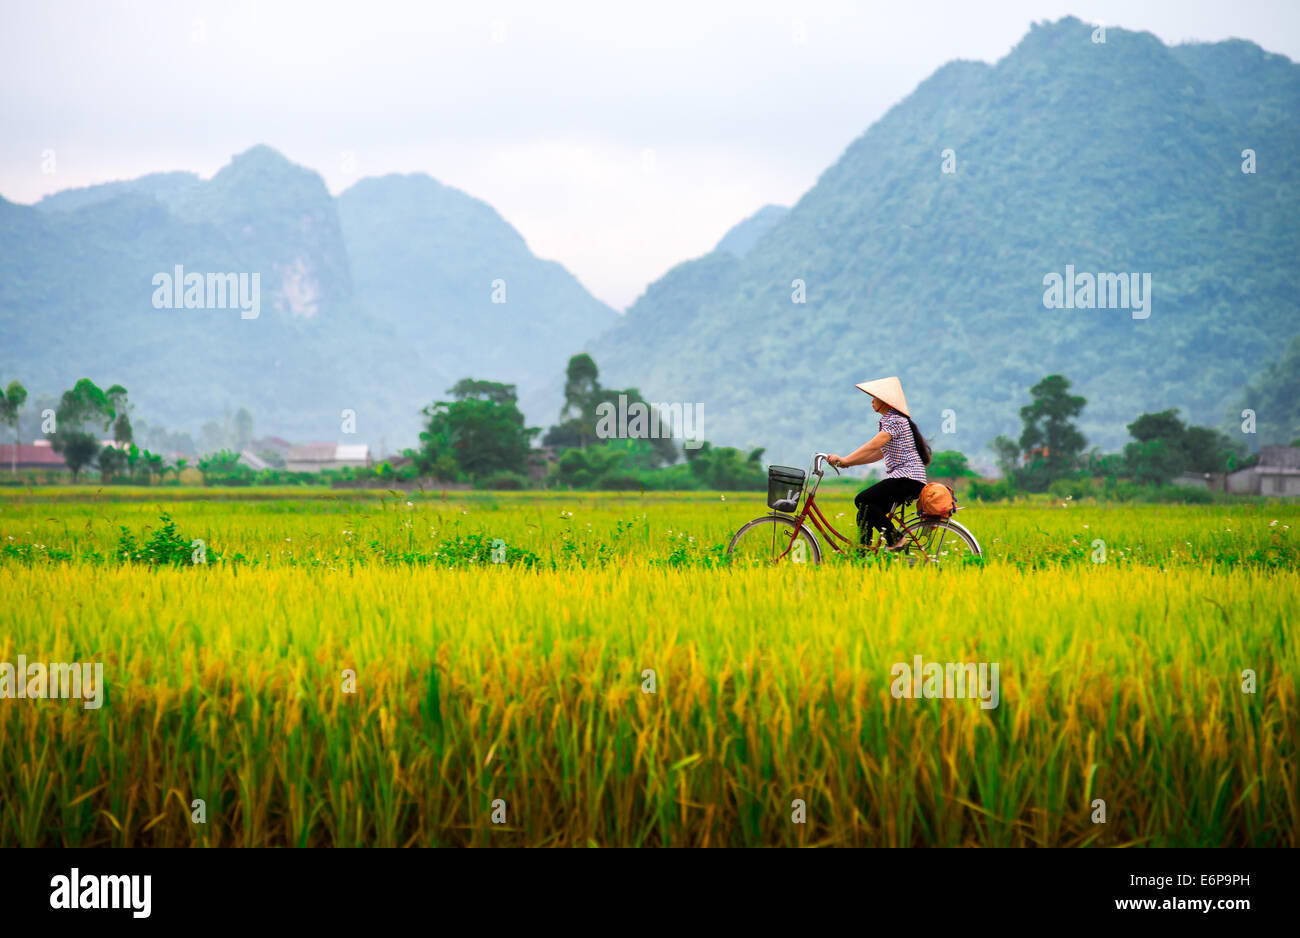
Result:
x=940 y=542
x=774 y=538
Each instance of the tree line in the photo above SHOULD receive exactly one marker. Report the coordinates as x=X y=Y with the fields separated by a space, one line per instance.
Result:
x=86 y=413
x=479 y=435
x=1050 y=456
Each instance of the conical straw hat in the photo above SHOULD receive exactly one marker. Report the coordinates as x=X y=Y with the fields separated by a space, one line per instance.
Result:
x=889 y=390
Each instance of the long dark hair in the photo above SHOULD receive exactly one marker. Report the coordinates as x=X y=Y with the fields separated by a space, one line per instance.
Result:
x=922 y=447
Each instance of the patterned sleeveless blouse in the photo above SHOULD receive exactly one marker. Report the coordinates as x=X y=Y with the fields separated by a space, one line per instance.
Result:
x=902 y=461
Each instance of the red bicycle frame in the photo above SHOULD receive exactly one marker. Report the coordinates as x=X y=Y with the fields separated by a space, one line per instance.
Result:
x=811 y=511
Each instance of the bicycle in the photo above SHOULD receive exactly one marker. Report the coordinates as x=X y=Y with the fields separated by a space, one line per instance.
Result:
x=786 y=532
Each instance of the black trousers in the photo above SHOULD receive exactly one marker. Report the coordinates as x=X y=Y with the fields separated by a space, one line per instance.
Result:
x=874 y=504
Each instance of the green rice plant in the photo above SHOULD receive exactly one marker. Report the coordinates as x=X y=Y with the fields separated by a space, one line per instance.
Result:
x=339 y=686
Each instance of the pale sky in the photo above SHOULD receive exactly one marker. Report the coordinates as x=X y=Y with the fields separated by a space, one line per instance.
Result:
x=619 y=139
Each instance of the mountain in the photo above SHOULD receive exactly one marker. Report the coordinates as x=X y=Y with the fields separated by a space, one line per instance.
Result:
x=375 y=302
x=162 y=186
x=79 y=298
x=744 y=235
x=447 y=275
x=1116 y=157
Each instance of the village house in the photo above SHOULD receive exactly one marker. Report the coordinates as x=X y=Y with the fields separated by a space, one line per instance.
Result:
x=37 y=455
x=270 y=444
x=313 y=457
x=1276 y=473
x=253 y=461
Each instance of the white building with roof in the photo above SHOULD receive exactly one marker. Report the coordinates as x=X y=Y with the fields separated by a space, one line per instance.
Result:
x=1276 y=473
x=313 y=457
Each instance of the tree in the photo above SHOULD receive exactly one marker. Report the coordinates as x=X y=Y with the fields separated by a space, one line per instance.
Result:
x=118 y=414
x=1164 y=447
x=1274 y=396
x=582 y=394
x=111 y=461
x=81 y=410
x=579 y=420
x=581 y=387
x=585 y=468
x=726 y=468
x=11 y=399
x=492 y=391
x=1153 y=462
x=212 y=438
x=480 y=431
x=224 y=466
x=243 y=428
x=154 y=466
x=132 y=457
x=1164 y=425
x=1047 y=426
x=1209 y=450
x=949 y=464
x=1007 y=454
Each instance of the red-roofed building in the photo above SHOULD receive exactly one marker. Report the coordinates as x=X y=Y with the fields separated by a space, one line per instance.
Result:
x=270 y=443
x=38 y=455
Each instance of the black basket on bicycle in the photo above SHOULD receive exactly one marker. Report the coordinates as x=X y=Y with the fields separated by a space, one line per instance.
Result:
x=784 y=488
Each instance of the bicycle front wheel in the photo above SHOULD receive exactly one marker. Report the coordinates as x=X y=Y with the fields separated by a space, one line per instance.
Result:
x=774 y=538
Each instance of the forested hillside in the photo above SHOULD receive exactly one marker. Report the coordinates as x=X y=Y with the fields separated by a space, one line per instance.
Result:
x=1117 y=157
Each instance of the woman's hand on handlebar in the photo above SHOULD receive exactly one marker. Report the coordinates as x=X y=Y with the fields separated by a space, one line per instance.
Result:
x=834 y=461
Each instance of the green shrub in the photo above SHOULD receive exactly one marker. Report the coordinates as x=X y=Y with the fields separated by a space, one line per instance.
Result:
x=165 y=547
x=1184 y=494
x=503 y=482
x=989 y=490
x=619 y=482
x=1073 y=488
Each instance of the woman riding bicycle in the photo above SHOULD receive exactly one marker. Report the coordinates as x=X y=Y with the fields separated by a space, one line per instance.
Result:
x=906 y=455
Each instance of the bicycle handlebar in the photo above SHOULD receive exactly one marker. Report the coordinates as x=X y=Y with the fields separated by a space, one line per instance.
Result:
x=819 y=458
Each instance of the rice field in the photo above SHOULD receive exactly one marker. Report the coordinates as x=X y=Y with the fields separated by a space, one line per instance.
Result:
x=586 y=670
